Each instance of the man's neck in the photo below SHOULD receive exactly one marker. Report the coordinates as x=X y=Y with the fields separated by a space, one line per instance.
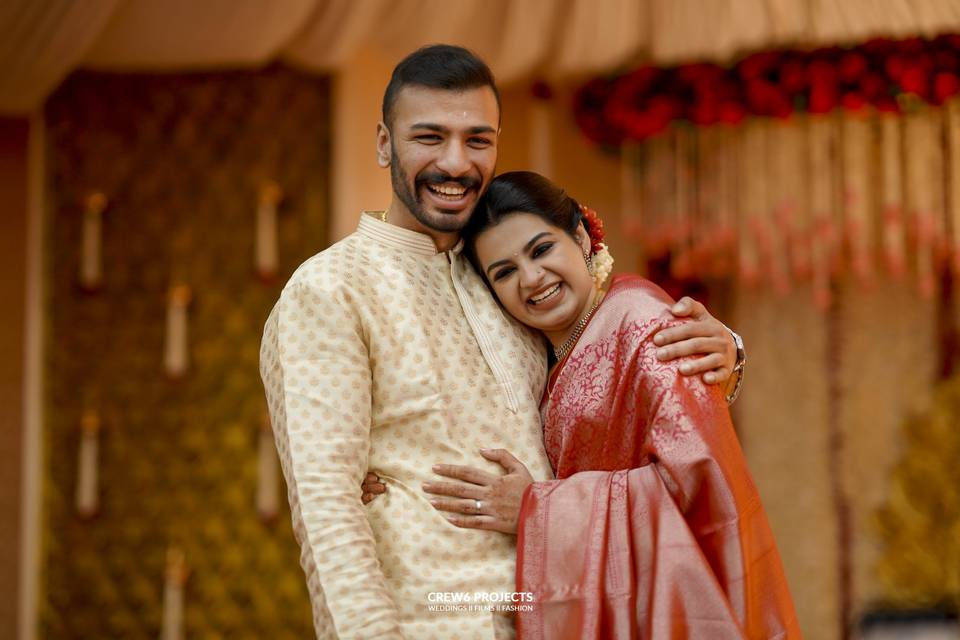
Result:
x=399 y=215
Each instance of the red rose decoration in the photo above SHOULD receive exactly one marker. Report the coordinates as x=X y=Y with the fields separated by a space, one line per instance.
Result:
x=705 y=113
x=823 y=98
x=853 y=101
x=873 y=86
x=887 y=104
x=852 y=66
x=793 y=77
x=758 y=64
x=594 y=227
x=878 y=47
x=732 y=112
x=945 y=85
x=914 y=80
x=881 y=72
x=895 y=66
x=946 y=60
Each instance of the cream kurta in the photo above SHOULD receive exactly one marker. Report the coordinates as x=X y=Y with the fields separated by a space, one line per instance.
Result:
x=383 y=354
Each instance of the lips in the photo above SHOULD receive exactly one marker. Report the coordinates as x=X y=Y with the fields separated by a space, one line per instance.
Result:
x=446 y=191
x=546 y=296
x=450 y=197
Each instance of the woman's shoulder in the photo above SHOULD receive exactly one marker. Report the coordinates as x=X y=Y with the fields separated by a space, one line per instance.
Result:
x=638 y=299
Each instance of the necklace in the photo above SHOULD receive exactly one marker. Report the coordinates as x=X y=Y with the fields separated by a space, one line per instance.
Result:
x=383 y=215
x=561 y=352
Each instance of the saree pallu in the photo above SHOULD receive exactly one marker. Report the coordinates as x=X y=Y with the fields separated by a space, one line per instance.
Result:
x=653 y=527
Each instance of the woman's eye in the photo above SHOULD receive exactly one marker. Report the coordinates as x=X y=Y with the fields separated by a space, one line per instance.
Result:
x=503 y=273
x=541 y=249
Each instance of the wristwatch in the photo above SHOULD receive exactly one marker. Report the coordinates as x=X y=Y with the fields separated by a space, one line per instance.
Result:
x=738 y=367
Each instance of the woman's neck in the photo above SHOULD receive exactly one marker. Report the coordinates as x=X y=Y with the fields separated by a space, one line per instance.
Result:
x=558 y=337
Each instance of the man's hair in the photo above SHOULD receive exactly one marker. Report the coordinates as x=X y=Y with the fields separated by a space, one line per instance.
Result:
x=438 y=66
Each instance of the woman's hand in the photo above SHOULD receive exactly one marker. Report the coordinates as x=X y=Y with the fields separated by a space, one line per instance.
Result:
x=482 y=500
x=704 y=336
x=371 y=487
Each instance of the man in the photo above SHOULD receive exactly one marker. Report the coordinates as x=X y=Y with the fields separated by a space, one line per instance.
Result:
x=387 y=352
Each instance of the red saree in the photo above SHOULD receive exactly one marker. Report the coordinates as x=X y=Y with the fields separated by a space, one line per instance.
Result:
x=653 y=527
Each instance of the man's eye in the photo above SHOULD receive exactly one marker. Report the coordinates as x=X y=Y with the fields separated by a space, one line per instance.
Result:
x=541 y=249
x=479 y=142
x=503 y=273
x=428 y=139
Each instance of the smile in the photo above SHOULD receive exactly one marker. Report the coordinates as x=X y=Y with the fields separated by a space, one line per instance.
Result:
x=447 y=192
x=550 y=293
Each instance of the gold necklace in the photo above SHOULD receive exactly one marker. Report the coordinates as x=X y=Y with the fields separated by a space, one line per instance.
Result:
x=561 y=352
x=383 y=215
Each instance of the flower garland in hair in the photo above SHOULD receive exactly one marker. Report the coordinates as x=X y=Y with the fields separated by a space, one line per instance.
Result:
x=602 y=260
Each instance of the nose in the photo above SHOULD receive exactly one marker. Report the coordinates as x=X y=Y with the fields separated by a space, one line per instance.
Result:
x=454 y=159
x=531 y=275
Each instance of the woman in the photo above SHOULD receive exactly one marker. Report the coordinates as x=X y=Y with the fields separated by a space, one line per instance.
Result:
x=653 y=527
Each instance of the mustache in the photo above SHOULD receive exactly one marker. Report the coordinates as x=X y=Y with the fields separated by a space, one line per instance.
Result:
x=467 y=182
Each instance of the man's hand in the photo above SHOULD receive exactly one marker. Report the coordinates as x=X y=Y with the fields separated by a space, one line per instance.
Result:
x=482 y=500
x=371 y=487
x=705 y=336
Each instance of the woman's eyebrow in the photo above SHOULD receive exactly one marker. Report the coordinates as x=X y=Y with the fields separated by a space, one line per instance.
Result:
x=526 y=247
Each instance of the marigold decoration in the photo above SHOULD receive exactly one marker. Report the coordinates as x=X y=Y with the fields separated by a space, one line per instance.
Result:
x=920 y=523
x=602 y=259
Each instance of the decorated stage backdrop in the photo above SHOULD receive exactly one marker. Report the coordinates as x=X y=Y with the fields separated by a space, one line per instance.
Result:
x=178 y=206
x=817 y=195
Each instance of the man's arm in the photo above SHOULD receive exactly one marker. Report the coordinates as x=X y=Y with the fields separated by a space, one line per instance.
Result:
x=316 y=372
x=721 y=351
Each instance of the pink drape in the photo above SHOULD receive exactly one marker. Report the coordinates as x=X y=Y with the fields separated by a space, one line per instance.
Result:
x=653 y=528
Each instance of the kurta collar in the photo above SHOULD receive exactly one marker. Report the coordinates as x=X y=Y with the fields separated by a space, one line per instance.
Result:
x=391 y=234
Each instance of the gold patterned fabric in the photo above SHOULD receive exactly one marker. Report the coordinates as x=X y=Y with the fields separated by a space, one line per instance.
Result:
x=384 y=354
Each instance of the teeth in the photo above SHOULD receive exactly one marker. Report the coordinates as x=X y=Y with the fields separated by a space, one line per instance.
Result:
x=549 y=294
x=444 y=190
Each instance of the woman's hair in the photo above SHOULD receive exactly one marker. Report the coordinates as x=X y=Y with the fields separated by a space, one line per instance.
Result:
x=520 y=192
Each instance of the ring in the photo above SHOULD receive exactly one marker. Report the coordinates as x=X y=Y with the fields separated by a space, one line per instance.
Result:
x=479 y=505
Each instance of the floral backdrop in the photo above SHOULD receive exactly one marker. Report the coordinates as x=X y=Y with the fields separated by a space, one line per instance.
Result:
x=163 y=505
x=814 y=197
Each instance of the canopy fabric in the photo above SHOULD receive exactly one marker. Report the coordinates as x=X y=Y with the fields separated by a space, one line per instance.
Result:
x=41 y=41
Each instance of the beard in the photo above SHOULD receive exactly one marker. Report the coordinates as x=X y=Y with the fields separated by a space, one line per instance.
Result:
x=447 y=220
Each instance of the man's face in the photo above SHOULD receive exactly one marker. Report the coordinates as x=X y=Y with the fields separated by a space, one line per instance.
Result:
x=442 y=149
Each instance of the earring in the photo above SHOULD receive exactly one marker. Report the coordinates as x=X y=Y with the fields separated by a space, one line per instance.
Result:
x=589 y=260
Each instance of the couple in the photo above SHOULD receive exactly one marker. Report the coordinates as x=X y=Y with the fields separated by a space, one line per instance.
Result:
x=387 y=352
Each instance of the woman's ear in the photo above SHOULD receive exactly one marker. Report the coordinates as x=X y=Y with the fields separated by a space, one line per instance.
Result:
x=582 y=238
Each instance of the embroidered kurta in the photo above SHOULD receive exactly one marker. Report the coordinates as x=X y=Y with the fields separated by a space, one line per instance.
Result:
x=383 y=354
x=653 y=527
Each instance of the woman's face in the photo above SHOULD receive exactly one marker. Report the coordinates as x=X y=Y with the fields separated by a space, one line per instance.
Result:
x=538 y=272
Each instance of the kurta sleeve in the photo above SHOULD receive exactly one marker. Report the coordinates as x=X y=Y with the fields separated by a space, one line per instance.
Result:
x=316 y=372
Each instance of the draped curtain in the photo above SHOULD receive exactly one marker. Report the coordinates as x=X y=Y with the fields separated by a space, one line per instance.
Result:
x=43 y=40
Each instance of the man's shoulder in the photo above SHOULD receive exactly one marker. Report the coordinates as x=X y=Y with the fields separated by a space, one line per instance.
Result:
x=334 y=267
